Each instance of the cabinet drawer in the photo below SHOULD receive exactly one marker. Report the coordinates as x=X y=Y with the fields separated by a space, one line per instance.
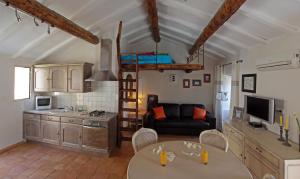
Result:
x=233 y=134
x=264 y=153
x=50 y=118
x=71 y=120
x=31 y=116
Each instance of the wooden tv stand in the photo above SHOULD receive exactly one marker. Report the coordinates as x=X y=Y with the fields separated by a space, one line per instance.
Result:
x=261 y=152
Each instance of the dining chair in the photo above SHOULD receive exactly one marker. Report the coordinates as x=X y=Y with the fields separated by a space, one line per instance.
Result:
x=268 y=176
x=214 y=138
x=142 y=138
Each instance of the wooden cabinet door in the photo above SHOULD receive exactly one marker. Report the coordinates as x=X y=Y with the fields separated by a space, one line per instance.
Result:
x=71 y=135
x=58 y=79
x=235 y=141
x=256 y=165
x=75 y=78
x=51 y=132
x=32 y=129
x=95 y=138
x=41 y=79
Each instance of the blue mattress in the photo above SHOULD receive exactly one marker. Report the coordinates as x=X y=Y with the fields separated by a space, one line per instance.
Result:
x=147 y=59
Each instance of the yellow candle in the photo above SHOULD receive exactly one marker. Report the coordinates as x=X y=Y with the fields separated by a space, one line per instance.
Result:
x=163 y=158
x=281 y=120
x=204 y=157
x=287 y=123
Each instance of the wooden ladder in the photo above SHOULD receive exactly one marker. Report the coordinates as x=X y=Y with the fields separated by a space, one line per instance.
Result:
x=128 y=95
x=126 y=87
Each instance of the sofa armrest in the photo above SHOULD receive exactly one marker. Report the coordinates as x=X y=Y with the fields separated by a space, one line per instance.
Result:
x=148 y=120
x=211 y=120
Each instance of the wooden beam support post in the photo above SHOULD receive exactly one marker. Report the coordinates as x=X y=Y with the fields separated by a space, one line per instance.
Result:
x=153 y=18
x=51 y=17
x=228 y=8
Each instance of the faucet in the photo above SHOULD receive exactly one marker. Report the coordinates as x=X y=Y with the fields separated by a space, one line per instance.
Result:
x=69 y=108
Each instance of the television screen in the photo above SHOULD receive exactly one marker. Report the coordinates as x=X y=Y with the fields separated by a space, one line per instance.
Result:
x=258 y=107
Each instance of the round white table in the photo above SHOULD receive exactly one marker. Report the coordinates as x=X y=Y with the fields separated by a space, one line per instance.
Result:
x=221 y=165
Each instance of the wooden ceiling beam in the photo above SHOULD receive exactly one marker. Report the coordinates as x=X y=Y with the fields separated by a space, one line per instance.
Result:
x=153 y=18
x=51 y=17
x=228 y=8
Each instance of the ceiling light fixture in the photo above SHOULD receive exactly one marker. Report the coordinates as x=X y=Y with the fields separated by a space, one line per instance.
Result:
x=35 y=22
x=48 y=29
x=17 y=15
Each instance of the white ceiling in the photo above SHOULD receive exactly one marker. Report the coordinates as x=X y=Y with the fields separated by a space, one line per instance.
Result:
x=257 y=22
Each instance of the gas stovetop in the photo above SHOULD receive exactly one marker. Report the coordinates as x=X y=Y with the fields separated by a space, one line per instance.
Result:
x=98 y=118
x=96 y=113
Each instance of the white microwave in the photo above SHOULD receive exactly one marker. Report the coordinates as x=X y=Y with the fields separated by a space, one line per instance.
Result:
x=43 y=102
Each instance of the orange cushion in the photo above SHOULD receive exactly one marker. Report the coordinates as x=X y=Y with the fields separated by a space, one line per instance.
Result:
x=199 y=113
x=159 y=113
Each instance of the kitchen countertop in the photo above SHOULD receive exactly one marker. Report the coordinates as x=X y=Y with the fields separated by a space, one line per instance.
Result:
x=80 y=115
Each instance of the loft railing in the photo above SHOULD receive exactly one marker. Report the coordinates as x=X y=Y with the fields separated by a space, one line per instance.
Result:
x=198 y=55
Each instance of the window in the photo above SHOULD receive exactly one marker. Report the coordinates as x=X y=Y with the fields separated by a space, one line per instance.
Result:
x=22 y=83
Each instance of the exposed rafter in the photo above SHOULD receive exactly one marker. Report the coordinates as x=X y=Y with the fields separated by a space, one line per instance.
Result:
x=153 y=18
x=228 y=8
x=165 y=34
x=189 y=37
x=193 y=27
x=118 y=14
x=203 y=15
x=41 y=38
x=51 y=17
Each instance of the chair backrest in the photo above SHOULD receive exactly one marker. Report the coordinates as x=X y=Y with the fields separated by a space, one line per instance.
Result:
x=214 y=138
x=142 y=138
x=268 y=176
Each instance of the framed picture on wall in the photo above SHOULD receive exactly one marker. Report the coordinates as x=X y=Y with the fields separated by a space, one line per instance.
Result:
x=238 y=113
x=206 y=78
x=196 y=82
x=186 y=83
x=249 y=83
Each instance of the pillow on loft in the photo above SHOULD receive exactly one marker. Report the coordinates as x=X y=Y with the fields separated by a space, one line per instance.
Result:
x=159 y=113
x=199 y=114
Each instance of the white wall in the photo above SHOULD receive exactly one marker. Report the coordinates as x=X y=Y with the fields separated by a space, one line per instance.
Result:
x=11 y=120
x=282 y=84
x=154 y=82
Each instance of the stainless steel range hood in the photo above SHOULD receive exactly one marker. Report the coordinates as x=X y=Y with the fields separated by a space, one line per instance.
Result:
x=103 y=67
x=104 y=75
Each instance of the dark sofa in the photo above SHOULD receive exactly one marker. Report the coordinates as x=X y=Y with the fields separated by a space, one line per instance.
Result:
x=179 y=120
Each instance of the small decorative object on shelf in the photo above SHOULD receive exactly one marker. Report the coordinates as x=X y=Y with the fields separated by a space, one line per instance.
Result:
x=286 y=142
x=298 y=123
x=281 y=128
x=286 y=128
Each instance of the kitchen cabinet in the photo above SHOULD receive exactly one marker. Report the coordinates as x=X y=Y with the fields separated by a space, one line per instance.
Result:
x=257 y=165
x=235 y=141
x=50 y=132
x=77 y=74
x=95 y=138
x=58 y=79
x=262 y=152
x=62 y=78
x=41 y=79
x=71 y=135
x=32 y=127
x=66 y=130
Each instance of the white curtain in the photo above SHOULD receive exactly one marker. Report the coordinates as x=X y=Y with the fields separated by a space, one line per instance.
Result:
x=217 y=103
x=226 y=91
x=235 y=86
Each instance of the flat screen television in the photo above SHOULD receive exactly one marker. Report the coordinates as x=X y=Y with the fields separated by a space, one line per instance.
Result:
x=261 y=108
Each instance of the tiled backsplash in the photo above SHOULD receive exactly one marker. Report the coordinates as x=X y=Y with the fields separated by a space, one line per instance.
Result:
x=104 y=96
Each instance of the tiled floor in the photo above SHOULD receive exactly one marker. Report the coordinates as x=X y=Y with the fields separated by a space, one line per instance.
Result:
x=33 y=160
